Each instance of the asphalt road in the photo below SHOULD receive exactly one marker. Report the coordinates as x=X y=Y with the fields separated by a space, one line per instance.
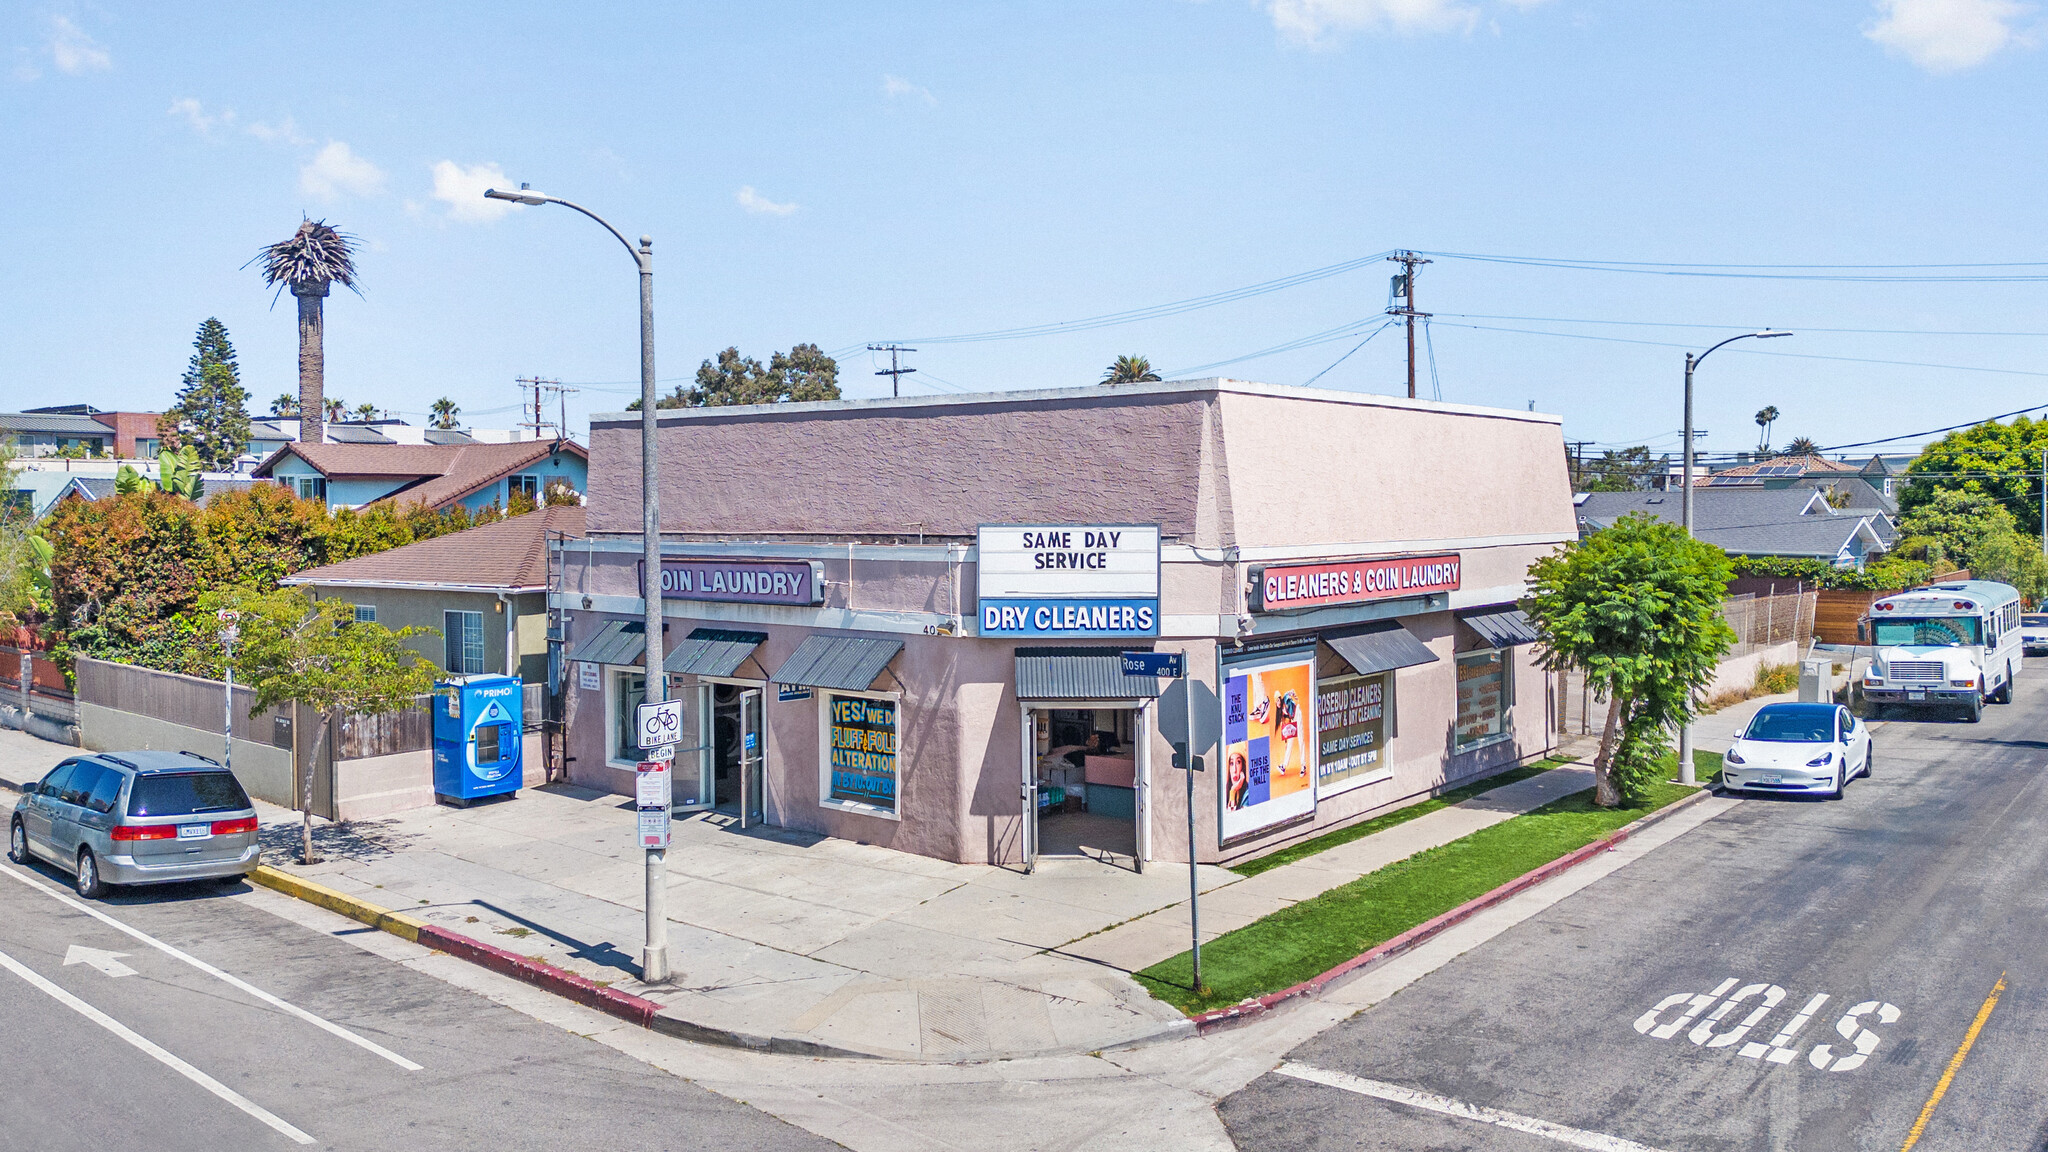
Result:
x=194 y=1061
x=1905 y=903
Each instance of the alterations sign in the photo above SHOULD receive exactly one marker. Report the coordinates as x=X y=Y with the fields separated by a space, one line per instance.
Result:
x=1279 y=587
x=1070 y=580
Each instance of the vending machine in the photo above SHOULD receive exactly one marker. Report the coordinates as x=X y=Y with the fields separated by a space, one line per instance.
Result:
x=477 y=738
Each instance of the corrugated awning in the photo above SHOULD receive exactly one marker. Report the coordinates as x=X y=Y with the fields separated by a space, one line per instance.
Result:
x=850 y=663
x=618 y=642
x=1501 y=627
x=713 y=652
x=1381 y=646
x=1079 y=674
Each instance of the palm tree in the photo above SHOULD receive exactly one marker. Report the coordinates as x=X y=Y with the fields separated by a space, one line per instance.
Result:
x=1764 y=419
x=366 y=412
x=444 y=412
x=1802 y=446
x=1130 y=370
x=335 y=409
x=285 y=405
x=312 y=260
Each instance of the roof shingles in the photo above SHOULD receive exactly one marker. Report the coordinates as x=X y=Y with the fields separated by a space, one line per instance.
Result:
x=509 y=555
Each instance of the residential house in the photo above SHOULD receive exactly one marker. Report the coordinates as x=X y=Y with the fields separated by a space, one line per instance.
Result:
x=473 y=475
x=482 y=591
x=1866 y=487
x=48 y=431
x=1756 y=521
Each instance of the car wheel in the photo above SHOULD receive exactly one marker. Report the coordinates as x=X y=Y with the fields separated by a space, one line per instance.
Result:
x=1974 y=710
x=1841 y=782
x=1869 y=754
x=87 y=882
x=17 y=843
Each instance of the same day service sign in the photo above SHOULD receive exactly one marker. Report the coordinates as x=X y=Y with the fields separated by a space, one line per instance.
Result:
x=1069 y=580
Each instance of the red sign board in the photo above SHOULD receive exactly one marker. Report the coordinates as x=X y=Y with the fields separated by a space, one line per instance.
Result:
x=1277 y=587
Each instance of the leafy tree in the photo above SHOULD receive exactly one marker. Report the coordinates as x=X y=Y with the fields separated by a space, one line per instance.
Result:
x=803 y=373
x=1766 y=417
x=2002 y=461
x=1973 y=530
x=309 y=262
x=211 y=413
x=286 y=404
x=1629 y=470
x=444 y=412
x=294 y=649
x=1637 y=607
x=1802 y=446
x=1129 y=370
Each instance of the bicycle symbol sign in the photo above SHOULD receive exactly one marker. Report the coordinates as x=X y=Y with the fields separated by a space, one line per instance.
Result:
x=660 y=723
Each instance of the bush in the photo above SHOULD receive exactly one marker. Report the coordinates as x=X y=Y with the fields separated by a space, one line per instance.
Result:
x=1772 y=679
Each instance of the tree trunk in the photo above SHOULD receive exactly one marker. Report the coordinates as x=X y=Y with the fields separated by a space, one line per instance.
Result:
x=1605 y=794
x=312 y=362
x=306 y=795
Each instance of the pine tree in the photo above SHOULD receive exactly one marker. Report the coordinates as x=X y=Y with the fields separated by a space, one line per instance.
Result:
x=211 y=413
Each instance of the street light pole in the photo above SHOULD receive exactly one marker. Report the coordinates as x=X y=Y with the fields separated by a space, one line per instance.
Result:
x=654 y=954
x=1686 y=772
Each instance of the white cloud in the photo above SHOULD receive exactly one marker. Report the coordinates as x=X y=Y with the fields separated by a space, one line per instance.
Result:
x=336 y=171
x=896 y=88
x=1315 y=23
x=73 y=52
x=282 y=132
x=196 y=115
x=1946 y=35
x=462 y=189
x=760 y=205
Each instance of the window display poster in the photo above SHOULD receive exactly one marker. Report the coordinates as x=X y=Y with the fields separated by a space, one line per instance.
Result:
x=1351 y=726
x=1269 y=746
x=862 y=736
x=1480 y=697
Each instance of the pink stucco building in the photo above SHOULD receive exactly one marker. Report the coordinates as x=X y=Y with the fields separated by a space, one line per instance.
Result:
x=898 y=621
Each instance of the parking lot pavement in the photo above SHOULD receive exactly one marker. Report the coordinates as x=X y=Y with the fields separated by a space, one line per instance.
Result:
x=177 y=1018
x=1796 y=973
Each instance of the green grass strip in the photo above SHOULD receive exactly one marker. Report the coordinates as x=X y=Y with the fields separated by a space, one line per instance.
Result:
x=1307 y=939
x=1329 y=840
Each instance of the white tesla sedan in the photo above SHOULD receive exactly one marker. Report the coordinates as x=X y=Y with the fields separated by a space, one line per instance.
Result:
x=1805 y=748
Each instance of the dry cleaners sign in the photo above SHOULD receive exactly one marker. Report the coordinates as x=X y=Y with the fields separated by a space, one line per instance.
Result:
x=1069 y=580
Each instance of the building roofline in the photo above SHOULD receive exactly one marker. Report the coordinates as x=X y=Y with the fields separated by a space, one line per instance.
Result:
x=416 y=585
x=1027 y=397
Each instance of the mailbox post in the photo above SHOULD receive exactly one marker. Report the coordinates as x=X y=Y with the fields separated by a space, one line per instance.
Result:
x=1173 y=666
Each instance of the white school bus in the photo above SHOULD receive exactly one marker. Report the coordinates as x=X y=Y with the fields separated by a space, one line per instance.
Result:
x=1944 y=646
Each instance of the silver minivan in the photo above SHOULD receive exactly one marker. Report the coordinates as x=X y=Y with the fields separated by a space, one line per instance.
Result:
x=137 y=818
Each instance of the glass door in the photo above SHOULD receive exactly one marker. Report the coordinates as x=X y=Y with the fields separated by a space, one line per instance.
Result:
x=690 y=788
x=753 y=786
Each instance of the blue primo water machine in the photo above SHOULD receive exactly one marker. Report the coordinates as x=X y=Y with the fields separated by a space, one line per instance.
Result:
x=477 y=742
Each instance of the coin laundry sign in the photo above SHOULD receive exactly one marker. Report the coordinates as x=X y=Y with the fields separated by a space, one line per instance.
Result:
x=1280 y=586
x=1068 y=580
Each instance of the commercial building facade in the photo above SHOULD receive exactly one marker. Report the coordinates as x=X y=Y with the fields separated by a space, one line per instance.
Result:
x=899 y=621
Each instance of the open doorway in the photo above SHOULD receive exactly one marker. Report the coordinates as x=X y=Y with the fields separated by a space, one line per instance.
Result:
x=727 y=764
x=1087 y=784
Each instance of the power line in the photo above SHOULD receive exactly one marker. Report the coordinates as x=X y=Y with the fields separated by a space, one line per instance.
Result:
x=1347 y=355
x=1748 y=352
x=1739 y=327
x=1907 y=273
x=893 y=372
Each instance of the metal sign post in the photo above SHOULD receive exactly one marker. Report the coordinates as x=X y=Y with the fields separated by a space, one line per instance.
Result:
x=1173 y=666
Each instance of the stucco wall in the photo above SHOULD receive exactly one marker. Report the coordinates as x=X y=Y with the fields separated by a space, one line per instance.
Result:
x=419 y=608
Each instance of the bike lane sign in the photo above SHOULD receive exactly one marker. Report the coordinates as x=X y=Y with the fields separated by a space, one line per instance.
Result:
x=659 y=724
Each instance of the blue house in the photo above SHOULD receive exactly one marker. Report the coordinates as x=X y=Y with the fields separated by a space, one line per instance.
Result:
x=436 y=475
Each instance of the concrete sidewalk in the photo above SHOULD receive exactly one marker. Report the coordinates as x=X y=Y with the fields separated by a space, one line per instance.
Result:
x=804 y=940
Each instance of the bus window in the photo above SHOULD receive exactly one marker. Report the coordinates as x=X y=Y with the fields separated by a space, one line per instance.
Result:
x=1928 y=632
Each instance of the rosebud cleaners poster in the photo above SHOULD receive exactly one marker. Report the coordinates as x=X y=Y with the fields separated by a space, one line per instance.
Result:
x=1268 y=767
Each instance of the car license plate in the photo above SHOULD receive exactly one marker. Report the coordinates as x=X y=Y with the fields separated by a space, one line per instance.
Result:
x=194 y=831
x=1916 y=695
x=1774 y=778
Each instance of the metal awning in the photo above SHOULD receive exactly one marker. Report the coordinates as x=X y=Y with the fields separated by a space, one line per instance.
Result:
x=1079 y=674
x=713 y=652
x=1501 y=627
x=849 y=663
x=1381 y=646
x=618 y=642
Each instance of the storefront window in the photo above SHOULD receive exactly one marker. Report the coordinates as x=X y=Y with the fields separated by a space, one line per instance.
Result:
x=860 y=766
x=1351 y=732
x=1485 y=690
x=629 y=691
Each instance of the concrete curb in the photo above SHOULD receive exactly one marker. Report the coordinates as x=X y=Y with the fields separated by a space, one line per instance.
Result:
x=1252 y=1009
x=396 y=923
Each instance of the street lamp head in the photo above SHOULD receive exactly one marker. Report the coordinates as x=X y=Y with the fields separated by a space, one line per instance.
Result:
x=522 y=196
x=1767 y=334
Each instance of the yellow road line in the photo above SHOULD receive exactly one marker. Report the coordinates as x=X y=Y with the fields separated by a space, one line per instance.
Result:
x=1955 y=1062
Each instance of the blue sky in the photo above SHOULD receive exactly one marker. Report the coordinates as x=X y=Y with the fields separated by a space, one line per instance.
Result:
x=841 y=174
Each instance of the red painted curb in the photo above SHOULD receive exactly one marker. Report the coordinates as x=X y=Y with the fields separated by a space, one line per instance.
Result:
x=1240 y=1013
x=566 y=984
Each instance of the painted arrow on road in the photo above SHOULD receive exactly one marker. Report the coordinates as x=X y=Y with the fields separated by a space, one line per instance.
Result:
x=108 y=962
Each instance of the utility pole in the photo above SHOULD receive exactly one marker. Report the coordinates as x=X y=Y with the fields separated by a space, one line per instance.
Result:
x=536 y=383
x=1404 y=287
x=894 y=373
x=562 y=406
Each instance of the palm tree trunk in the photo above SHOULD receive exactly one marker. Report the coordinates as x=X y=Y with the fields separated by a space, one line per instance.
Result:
x=312 y=362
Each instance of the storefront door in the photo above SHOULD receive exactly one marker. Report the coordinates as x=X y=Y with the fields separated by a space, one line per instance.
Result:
x=691 y=789
x=753 y=785
x=1086 y=782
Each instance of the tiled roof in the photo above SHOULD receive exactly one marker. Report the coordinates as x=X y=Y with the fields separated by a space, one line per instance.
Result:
x=1719 y=507
x=36 y=422
x=356 y=434
x=503 y=557
x=439 y=473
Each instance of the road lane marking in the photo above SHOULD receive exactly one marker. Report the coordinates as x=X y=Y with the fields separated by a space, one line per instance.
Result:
x=155 y=1051
x=1955 y=1064
x=1431 y=1102
x=210 y=970
x=107 y=962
